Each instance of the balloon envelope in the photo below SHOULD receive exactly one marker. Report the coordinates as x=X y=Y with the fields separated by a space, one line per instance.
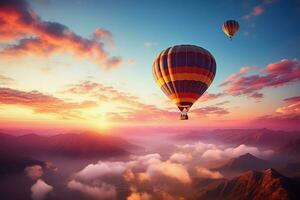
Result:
x=184 y=72
x=230 y=27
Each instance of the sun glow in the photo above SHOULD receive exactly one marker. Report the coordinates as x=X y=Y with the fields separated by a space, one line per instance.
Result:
x=101 y=123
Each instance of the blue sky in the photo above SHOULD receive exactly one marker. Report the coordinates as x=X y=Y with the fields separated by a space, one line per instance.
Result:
x=142 y=29
x=263 y=39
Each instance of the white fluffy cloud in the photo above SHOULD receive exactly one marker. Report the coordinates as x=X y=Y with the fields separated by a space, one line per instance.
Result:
x=212 y=152
x=153 y=171
x=135 y=195
x=40 y=190
x=145 y=167
x=225 y=153
x=169 y=169
x=94 y=179
x=34 y=172
x=100 y=169
x=240 y=150
x=198 y=147
x=206 y=173
x=144 y=161
x=154 y=166
x=102 y=191
x=180 y=157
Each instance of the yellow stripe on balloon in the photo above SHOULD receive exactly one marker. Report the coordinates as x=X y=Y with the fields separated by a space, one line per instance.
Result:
x=184 y=77
x=178 y=100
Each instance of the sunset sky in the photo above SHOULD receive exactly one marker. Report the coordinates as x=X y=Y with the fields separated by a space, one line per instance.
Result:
x=89 y=63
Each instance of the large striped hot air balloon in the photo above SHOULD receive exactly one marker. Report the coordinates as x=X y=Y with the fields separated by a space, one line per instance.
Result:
x=230 y=27
x=183 y=73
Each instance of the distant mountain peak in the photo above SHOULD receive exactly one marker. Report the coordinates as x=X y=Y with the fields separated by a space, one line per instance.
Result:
x=247 y=155
x=245 y=162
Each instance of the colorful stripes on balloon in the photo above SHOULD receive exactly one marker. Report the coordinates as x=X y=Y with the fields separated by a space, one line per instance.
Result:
x=230 y=27
x=184 y=72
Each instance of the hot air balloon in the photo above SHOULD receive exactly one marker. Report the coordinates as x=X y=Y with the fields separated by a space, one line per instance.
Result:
x=184 y=72
x=230 y=27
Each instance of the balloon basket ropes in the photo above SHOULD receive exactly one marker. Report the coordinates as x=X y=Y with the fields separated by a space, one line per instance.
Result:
x=184 y=116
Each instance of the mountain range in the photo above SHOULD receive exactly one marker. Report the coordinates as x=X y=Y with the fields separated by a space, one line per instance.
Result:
x=12 y=163
x=253 y=185
x=290 y=151
x=73 y=145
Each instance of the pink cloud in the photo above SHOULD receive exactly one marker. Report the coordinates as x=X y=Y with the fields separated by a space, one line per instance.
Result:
x=210 y=96
x=283 y=66
x=229 y=79
x=99 y=90
x=256 y=11
x=293 y=99
x=276 y=74
x=133 y=109
x=103 y=35
x=287 y=116
x=42 y=103
x=210 y=110
x=292 y=107
x=31 y=35
x=245 y=70
x=136 y=110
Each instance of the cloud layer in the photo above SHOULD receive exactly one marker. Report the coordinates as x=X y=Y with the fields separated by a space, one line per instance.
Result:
x=140 y=172
x=133 y=109
x=153 y=176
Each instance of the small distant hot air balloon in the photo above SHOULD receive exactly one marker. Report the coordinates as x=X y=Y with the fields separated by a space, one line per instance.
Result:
x=230 y=27
x=184 y=72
